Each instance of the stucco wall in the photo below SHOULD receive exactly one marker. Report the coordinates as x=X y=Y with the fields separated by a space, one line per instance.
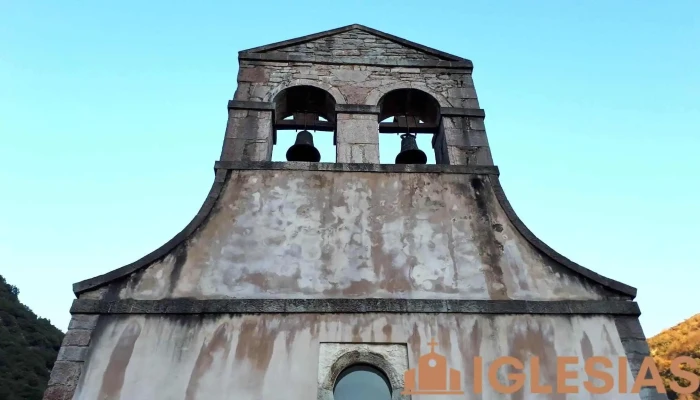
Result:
x=277 y=357
x=323 y=234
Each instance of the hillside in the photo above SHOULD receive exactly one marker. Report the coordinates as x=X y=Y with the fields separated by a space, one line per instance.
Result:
x=28 y=348
x=681 y=340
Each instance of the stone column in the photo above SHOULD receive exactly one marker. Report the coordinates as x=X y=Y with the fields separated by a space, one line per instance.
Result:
x=71 y=357
x=249 y=131
x=357 y=134
x=462 y=138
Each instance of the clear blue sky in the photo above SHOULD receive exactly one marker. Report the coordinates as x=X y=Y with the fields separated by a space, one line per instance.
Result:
x=113 y=113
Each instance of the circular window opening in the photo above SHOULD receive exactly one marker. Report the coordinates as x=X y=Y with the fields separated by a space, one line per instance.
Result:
x=362 y=382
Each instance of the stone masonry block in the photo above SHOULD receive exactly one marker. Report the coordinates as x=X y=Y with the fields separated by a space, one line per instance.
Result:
x=470 y=103
x=476 y=123
x=72 y=353
x=256 y=125
x=629 y=328
x=237 y=113
x=77 y=337
x=358 y=131
x=477 y=138
x=650 y=393
x=83 y=321
x=460 y=123
x=462 y=93
x=457 y=155
x=258 y=92
x=246 y=149
x=636 y=346
x=59 y=392
x=65 y=373
x=357 y=153
x=254 y=74
x=470 y=155
x=456 y=137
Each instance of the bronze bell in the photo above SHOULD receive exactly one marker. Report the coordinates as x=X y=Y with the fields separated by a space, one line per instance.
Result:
x=410 y=153
x=303 y=149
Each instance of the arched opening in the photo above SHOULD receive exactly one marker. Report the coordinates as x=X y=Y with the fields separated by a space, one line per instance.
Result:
x=362 y=382
x=407 y=112
x=304 y=108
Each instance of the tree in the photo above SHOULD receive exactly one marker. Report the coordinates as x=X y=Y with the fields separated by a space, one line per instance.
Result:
x=28 y=348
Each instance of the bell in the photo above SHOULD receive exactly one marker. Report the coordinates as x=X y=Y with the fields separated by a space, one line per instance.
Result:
x=303 y=149
x=410 y=153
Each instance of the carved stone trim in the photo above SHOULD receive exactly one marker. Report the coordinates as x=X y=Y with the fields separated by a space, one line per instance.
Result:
x=344 y=167
x=349 y=306
x=334 y=358
x=370 y=61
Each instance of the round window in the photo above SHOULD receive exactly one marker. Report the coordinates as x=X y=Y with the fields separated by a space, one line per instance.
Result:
x=362 y=382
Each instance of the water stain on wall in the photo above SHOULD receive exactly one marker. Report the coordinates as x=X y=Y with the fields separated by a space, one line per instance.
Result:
x=113 y=378
x=220 y=342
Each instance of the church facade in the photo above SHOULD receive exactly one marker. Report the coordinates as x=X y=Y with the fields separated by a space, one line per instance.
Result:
x=303 y=280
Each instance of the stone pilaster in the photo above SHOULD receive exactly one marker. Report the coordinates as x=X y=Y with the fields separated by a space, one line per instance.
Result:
x=462 y=138
x=249 y=132
x=357 y=134
x=68 y=367
x=636 y=347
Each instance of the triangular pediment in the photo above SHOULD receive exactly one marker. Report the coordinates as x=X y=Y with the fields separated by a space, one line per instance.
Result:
x=355 y=41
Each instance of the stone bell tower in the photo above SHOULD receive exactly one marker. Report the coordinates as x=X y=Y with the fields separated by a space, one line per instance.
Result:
x=307 y=280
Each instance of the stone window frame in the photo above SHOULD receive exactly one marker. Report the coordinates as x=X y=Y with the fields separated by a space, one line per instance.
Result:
x=376 y=355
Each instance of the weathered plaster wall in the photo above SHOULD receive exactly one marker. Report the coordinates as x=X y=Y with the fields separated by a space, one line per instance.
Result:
x=247 y=357
x=319 y=234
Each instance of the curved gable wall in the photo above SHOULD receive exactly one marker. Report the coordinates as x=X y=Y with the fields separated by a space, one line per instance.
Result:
x=325 y=234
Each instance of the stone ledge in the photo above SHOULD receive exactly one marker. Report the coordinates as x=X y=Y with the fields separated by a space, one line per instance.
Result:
x=342 y=306
x=344 y=167
x=250 y=105
x=462 y=112
x=342 y=60
x=356 y=109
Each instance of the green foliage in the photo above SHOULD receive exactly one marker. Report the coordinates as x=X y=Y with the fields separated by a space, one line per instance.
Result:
x=28 y=348
x=681 y=340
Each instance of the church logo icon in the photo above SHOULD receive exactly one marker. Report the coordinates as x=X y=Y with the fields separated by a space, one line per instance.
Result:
x=431 y=376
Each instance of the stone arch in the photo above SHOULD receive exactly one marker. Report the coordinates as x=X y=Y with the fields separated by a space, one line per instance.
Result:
x=376 y=94
x=337 y=96
x=366 y=357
